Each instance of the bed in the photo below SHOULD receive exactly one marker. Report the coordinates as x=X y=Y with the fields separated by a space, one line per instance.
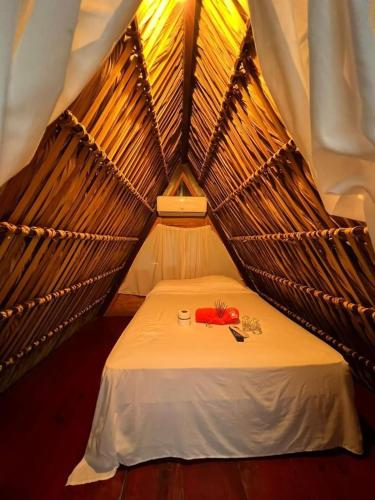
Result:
x=194 y=392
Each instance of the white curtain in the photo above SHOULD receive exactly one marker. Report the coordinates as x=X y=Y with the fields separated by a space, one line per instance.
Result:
x=317 y=57
x=49 y=50
x=178 y=253
x=318 y=60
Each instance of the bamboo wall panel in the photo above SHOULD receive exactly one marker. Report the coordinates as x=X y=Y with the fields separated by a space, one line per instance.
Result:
x=70 y=220
x=318 y=269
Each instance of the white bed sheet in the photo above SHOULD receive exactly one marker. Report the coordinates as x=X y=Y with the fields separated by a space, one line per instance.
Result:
x=194 y=392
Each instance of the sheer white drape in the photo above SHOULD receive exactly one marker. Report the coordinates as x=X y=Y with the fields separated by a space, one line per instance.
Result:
x=178 y=253
x=49 y=50
x=318 y=59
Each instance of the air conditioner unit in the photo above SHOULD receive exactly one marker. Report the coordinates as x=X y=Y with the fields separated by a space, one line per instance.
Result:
x=181 y=206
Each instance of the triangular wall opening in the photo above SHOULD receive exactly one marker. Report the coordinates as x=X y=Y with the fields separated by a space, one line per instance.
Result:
x=179 y=247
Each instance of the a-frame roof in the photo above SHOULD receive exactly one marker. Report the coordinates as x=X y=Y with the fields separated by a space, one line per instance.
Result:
x=182 y=85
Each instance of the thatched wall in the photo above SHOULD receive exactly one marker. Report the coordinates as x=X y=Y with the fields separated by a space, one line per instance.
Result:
x=317 y=269
x=72 y=219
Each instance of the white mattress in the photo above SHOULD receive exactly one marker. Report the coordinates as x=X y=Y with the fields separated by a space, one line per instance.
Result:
x=194 y=392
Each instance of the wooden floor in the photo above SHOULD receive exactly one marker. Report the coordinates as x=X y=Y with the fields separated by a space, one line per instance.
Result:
x=124 y=305
x=45 y=422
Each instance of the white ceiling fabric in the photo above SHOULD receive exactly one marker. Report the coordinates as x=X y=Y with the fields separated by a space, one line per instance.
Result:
x=318 y=59
x=49 y=50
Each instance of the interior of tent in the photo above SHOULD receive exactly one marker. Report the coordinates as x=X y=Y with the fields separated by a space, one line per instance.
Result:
x=187 y=310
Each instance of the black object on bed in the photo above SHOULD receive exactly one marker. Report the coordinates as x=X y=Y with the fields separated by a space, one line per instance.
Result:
x=236 y=334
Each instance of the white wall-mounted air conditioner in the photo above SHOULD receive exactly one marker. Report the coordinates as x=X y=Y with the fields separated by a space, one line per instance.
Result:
x=181 y=206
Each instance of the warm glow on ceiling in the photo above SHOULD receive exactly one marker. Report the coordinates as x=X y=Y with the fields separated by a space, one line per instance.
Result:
x=156 y=20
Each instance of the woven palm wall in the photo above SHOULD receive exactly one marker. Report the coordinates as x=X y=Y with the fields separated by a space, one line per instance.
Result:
x=72 y=220
x=316 y=269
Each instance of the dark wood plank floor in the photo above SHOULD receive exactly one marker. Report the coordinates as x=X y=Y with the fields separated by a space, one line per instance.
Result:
x=45 y=421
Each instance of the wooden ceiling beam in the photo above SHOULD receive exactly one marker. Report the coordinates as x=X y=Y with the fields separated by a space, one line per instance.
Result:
x=191 y=29
x=318 y=234
x=33 y=302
